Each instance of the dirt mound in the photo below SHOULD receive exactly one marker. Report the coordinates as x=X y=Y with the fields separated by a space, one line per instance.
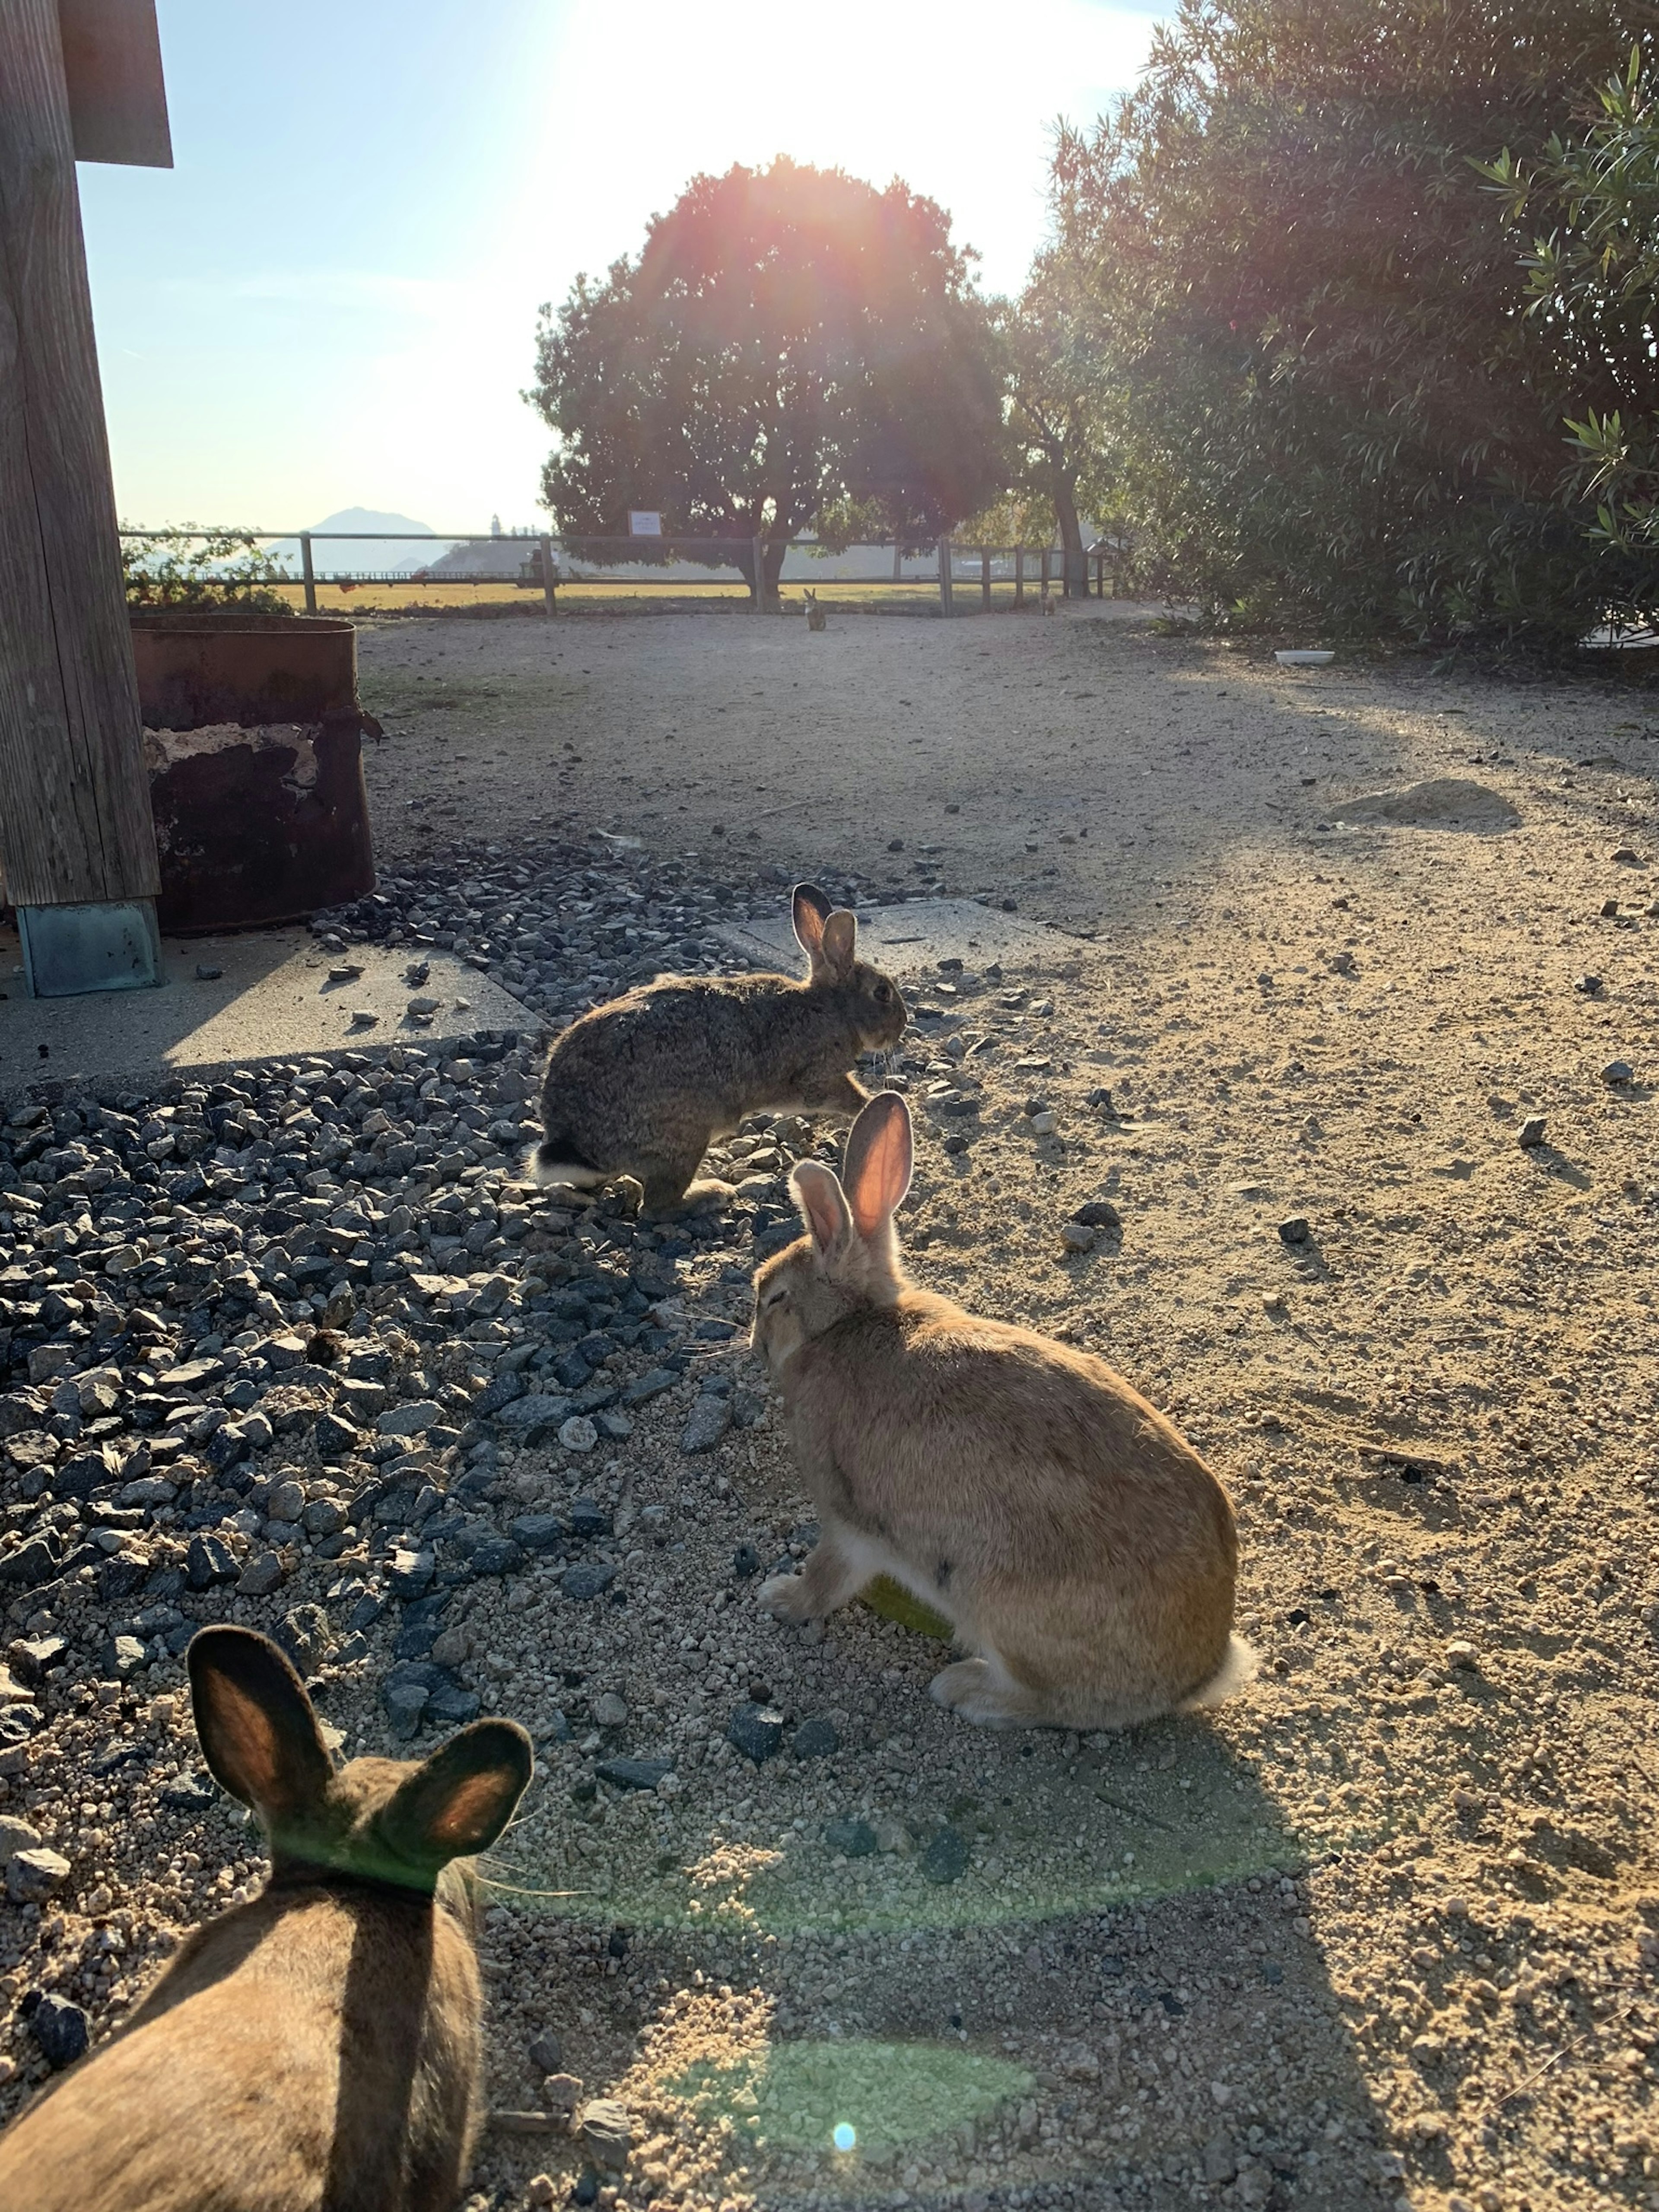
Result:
x=1446 y=802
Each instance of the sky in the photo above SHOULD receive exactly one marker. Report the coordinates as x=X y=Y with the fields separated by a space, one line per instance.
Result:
x=329 y=300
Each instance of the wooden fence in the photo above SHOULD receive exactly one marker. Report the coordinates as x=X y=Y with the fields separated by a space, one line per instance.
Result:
x=550 y=563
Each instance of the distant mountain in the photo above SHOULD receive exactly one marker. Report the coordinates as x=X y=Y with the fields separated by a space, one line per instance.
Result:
x=412 y=547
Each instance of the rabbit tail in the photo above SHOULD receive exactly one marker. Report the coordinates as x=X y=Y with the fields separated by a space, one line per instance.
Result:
x=552 y=1163
x=1239 y=1665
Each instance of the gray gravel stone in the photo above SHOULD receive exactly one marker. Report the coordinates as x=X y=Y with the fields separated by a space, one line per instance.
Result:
x=757 y=1731
x=711 y=1417
x=60 y=2029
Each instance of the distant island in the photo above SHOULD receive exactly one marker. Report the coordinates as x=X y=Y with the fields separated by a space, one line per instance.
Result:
x=413 y=547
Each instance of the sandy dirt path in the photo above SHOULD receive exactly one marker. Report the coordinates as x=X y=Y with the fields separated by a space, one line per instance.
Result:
x=1436 y=1410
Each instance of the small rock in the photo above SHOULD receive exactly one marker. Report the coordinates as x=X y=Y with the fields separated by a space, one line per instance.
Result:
x=711 y=1417
x=945 y=1859
x=1627 y=857
x=853 y=1839
x=404 y=1702
x=609 y=1710
x=121 y=1656
x=892 y=1837
x=547 y=2056
x=607 y=2133
x=60 y=2029
x=35 y=1875
x=16 y=1836
x=634 y=1773
x=585 y=1580
x=1294 y=1231
x=363 y=1018
x=1609 y=909
x=422 y=1006
x=1220 y=2160
x=644 y=1387
x=1097 y=1213
x=815 y=1739
x=208 y=1561
x=1532 y=1132
x=578 y=1434
x=757 y=1731
x=1462 y=1655
x=206 y=973
x=262 y=1575
x=541 y=2189
x=745 y=1561
x=1075 y=1237
x=1618 y=1071
x=1590 y=985
x=1044 y=1123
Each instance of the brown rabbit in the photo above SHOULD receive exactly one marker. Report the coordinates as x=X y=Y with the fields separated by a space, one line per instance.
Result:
x=318 y=2049
x=641 y=1086
x=817 y=618
x=1082 y=1550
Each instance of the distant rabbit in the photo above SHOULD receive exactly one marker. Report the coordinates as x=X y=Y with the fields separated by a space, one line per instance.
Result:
x=815 y=617
x=1047 y=602
x=1082 y=1550
x=642 y=1086
x=319 y=2048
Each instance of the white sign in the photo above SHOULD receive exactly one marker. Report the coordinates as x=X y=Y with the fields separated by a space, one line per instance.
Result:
x=643 y=525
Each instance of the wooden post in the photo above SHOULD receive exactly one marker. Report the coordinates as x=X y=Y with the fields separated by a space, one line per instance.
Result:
x=76 y=835
x=945 y=575
x=985 y=578
x=759 y=557
x=1019 y=575
x=898 y=562
x=310 y=573
x=1045 y=575
x=549 y=585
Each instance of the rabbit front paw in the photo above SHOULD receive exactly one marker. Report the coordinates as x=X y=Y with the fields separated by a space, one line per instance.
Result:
x=785 y=1597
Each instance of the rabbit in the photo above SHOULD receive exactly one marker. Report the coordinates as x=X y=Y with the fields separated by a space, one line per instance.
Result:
x=321 y=2046
x=1081 y=1549
x=817 y=618
x=640 y=1087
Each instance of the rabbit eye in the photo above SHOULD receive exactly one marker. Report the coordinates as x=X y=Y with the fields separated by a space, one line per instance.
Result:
x=773 y=1298
x=883 y=992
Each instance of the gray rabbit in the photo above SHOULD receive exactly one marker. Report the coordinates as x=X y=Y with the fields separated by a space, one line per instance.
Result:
x=640 y=1087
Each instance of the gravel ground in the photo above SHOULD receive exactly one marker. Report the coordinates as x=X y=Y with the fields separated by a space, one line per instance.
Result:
x=297 y=1350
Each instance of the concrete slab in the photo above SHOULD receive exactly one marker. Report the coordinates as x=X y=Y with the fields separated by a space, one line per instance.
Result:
x=273 y=1000
x=912 y=937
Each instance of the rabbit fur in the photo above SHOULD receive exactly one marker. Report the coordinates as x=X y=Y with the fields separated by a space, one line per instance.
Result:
x=319 y=2048
x=641 y=1086
x=1082 y=1550
x=817 y=616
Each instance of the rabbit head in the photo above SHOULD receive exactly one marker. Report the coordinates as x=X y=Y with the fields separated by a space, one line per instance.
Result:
x=849 y=1256
x=828 y=934
x=387 y=1820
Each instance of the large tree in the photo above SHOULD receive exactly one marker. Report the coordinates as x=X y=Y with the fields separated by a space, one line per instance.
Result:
x=1311 y=340
x=789 y=345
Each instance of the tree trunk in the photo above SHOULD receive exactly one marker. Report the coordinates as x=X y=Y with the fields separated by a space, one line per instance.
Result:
x=776 y=548
x=1076 y=565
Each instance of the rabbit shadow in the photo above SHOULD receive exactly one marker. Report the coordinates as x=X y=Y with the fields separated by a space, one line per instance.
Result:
x=1065 y=1964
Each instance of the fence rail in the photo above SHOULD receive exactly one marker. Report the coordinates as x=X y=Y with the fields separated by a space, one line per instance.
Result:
x=552 y=560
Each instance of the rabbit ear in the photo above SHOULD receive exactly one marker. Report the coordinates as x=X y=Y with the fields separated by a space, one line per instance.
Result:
x=878 y=1160
x=812 y=908
x=459 y=1801
x=840 y=938
x=824 y=1206
x=256 y=1728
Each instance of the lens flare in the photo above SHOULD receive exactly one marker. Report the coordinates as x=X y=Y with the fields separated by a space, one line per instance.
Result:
x=844 y=2135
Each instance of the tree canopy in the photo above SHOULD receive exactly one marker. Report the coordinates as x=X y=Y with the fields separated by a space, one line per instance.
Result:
x=790 y=346
x=1318 y=387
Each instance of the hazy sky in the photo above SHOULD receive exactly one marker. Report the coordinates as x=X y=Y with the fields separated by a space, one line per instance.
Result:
x=331 y=300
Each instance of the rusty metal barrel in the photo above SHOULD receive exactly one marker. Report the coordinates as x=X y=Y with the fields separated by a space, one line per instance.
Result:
x=253 y=736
